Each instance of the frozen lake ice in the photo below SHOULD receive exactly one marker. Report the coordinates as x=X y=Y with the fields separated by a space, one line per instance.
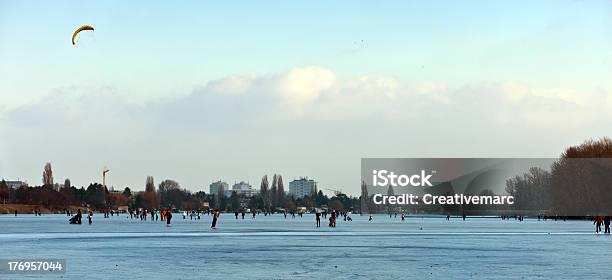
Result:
x=279 y=248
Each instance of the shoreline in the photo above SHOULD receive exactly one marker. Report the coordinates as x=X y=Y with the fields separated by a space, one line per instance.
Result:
x=29 y=209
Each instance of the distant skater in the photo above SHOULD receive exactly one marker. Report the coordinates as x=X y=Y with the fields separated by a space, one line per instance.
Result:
x=370 y=219
x=332 y=219
x=15 y=213
x=168 y=218
x=77 y=218
x=598 y=221
x=214 y=221
x=607 y=224
x=254 y=214
x=90 y=217
x=318 y=219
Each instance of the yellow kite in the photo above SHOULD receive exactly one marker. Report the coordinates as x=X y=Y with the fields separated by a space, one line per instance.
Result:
x=76 y=32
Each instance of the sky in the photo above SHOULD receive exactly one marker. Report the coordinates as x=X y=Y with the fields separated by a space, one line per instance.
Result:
x=233 y=90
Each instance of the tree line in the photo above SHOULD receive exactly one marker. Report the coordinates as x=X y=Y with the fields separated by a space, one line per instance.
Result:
x=168 y=194
x=579 y=182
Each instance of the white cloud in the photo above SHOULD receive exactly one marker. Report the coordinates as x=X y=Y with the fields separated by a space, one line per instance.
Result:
x=305 y=121
x=231 y=85
x=305 y=85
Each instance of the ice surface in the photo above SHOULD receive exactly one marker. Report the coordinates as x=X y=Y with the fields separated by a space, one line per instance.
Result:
x=279 y=248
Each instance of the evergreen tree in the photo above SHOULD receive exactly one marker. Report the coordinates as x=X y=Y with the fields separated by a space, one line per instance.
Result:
x=127 y=192
x=321 y=199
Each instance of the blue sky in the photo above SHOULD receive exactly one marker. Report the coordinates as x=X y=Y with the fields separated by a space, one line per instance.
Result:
x=147 y=53
x=136 y=43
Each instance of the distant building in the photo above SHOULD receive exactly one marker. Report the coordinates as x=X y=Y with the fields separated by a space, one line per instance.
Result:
x=243 y=188
x=302 y=187
x=217 y=187
x=15 y=184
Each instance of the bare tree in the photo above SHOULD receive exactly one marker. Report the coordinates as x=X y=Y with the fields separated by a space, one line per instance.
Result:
x=531 y=191
x=170 y=193
x=167 y=185
x=4 y=191
x=47 y=176
x=581 y=179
